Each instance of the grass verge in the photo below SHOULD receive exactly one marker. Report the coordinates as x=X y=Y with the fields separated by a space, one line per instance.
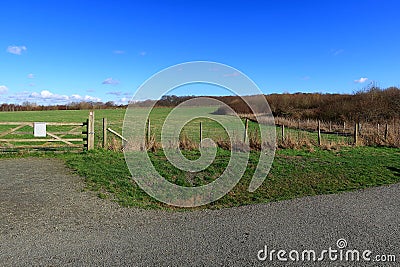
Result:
x=294 y=174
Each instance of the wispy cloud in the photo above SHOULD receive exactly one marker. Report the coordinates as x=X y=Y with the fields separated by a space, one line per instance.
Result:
x=30 y=76
x=110 y=81
x=3 y=89
x=306 y=78
x=16 y=50
x=143 y=53
x=19 y=97
x=336 y=52
x=117 y=93
x=119 y=52
x=361 y=80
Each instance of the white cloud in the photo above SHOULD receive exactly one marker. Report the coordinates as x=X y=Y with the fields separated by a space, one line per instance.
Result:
x=143 y=53
x=46 y=97
x=3 y=89
x=119 y=52
x=46 y=94
x=92 y=98
x=110 y=81
x=30 y=76
x=361 y=80
x=122 y=101
x=76 y=97
x=16 y=50
x=19 y=97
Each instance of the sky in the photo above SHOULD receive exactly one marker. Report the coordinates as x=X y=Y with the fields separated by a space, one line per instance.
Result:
x=55 y=52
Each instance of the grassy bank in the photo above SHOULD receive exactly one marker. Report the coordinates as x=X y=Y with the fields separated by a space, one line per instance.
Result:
x=294 y=174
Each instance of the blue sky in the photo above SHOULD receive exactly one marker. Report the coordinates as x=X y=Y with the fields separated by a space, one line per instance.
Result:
x=63 y=51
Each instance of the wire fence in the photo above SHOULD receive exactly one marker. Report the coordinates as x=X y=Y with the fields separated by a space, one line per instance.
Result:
x=290 y=133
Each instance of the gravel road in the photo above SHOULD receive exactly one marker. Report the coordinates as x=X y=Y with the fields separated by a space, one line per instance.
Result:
x=46 y=220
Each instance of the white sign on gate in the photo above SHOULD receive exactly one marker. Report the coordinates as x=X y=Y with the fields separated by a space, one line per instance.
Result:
x=39 y=129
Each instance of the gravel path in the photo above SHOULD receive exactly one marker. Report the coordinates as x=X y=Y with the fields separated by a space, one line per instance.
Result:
x=46 y=220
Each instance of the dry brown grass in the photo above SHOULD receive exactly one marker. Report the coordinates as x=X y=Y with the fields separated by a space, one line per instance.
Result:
x=369 y=135
x=115 y=145
x=186 y=143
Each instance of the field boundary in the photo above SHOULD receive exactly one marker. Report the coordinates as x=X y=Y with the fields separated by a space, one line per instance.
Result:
x=37 y=136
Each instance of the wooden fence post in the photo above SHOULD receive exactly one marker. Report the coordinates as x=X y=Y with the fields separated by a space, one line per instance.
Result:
x=148 y=131
x=104 y=133
x=283 y=133
x=246 y=127
x=90 y=131
x=356 y=134
x=200 y=133
x=319 y=133
x=386 y=132
x=344 y=127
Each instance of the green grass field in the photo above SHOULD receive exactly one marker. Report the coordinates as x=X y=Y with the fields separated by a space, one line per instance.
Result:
x=294 y=173
x=115 y=117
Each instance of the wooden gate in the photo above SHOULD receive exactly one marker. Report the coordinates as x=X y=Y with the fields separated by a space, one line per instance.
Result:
x=47 y=136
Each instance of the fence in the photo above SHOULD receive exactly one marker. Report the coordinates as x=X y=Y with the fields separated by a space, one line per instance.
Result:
x=15 y=136
x=290 y=134
x=386 y=133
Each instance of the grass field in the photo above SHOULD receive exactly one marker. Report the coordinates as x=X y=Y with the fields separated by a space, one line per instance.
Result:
x=115 y=117
x=295 y=172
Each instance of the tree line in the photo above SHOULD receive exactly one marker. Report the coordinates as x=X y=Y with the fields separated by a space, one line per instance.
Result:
x=372 y=104
x=32 y=106
x=369 y=104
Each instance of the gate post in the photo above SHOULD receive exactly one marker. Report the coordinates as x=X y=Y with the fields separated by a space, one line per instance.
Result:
x=319 y=133
x=90 y=131
x=356 y=134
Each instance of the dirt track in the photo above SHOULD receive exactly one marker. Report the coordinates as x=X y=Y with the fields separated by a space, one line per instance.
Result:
x=46 y=220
